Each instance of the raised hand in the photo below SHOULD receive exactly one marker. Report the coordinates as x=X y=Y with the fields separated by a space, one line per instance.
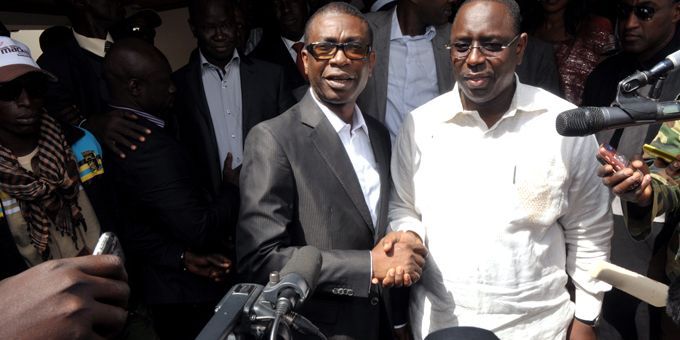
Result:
x=632 y=183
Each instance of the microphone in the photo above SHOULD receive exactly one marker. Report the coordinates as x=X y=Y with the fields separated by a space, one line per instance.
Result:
x=296 y=280
x=642 y=78
x=653 y=292
x=587 y=120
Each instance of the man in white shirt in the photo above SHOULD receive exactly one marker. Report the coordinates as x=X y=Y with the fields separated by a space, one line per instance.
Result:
x=412 y=64
x=507 y=208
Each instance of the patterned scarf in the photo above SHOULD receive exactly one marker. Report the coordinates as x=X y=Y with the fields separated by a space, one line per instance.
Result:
x=49 y=195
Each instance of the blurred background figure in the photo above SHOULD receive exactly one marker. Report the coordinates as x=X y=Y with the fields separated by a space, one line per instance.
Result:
x=580 y=39
x=140 y=25
x=55 y=37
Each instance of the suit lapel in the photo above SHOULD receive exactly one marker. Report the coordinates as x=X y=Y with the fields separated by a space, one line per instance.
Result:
x=381 y=153
x=442 y=58
x=381 y=44
x=207 y=130
x=248 y=86
x=329 y=146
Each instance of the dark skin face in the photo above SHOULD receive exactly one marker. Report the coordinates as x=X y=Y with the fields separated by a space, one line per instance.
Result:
x=646 y=38
x=155 y=91
x=434 y=12
x=216 y=31
x=486 y=84
x=20 y=119
x=292 y=16
x=338 y=81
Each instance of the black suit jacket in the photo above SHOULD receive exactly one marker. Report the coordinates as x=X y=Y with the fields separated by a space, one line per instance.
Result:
x=165 y=212
x=272 y=49
x=299 y=188
x=264 y=95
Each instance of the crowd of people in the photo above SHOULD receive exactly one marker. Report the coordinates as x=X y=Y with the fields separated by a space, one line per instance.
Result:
x=353 y=127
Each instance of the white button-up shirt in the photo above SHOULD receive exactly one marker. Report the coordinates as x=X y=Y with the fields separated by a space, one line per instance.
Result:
x=222 y=89
x=412 y=74
x=357 y=144
x=506 y=212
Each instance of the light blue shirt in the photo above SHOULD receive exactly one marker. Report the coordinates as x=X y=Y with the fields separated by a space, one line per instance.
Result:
x=222 y=88
x=412 y=75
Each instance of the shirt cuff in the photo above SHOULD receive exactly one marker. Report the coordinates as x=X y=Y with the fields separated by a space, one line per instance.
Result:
x=587 y=305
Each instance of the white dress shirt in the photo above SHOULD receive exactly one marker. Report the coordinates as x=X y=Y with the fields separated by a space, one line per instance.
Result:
x=95 y=46
x=412 y=75
x=357 y=144
x=289 y=47
x=506 y=213
x=222 y=89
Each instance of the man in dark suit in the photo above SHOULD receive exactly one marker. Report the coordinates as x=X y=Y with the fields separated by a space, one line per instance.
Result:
x=222 y=94
x=283 y=45
x=174 y=235
x=319 y=175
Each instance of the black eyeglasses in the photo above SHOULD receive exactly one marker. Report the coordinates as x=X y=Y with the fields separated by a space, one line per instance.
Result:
x=327 y=50
x=461 y=49
x=34 y=83
x=642 y=12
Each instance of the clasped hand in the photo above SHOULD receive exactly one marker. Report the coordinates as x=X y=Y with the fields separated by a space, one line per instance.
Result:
x=398 y=259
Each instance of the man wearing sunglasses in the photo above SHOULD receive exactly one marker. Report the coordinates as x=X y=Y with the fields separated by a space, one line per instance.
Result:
x=648 y=33
x=48 y=173
x=508 y=208
x=318 y=175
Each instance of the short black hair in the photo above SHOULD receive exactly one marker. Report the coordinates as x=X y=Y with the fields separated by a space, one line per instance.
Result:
x=513 y=9
x=339 y=8
x=194 y=6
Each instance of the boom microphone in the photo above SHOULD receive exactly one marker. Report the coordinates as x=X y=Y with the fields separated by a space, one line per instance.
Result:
x=587 y=120
x=642 y=78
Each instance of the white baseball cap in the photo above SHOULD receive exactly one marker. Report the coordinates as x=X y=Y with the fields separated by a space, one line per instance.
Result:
x=15 y=61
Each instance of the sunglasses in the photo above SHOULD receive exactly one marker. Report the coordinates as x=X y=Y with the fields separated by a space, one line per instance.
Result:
x=642 y=12
x=35 y=85
x=461 y=49
x=327 y=50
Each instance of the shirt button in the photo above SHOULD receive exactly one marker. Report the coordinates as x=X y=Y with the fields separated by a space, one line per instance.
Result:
x=233 y=136
x=374 y=301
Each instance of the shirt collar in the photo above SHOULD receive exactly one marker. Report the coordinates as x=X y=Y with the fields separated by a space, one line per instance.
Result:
x=379 y=4
x=151 y=118
x=93 y=45
x=235 y=59
x=289 y=43
x=521 y=102
x=396 y=34
x=358 y=121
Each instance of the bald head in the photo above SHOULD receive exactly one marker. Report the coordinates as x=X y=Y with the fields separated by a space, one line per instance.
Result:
x=138 y=76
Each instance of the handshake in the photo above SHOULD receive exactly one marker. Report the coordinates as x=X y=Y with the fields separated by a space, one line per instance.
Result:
x=398 y=259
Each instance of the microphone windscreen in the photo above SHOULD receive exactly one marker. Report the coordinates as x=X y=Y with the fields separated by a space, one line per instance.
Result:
x=674 y=58
x=305 y=262
x=581 y=121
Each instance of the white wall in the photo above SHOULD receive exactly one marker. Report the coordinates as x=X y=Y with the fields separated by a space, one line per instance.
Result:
x=173 y=37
